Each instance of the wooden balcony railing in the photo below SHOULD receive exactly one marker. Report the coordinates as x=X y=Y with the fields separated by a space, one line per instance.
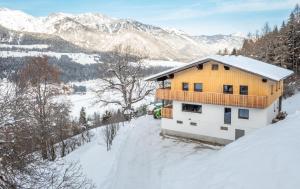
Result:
x=214 y=98
x=167 y=112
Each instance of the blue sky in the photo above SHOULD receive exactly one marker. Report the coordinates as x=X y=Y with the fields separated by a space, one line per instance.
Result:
x=194 y=17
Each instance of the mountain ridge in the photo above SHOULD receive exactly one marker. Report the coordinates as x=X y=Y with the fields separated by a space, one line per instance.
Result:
x=98 y=32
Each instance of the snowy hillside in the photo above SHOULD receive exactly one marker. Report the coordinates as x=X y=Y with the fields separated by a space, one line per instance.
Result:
x=102 y=33
x=141 y=158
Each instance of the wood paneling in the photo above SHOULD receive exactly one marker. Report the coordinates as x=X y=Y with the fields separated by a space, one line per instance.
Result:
x=213 y=80
x=260 y=93
x=214 y=98
x=167 y=112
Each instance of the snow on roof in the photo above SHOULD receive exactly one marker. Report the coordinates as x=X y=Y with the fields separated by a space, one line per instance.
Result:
x=244 y=63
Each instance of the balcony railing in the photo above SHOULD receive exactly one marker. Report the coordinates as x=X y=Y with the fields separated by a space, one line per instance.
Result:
x=167 y=112
x=214 y=98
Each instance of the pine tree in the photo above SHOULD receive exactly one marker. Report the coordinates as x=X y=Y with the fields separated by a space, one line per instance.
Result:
x=291 y=42
x=234 y=52
x=82 y=118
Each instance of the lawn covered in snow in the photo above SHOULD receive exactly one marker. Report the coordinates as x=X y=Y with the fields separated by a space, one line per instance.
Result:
x=140 y=158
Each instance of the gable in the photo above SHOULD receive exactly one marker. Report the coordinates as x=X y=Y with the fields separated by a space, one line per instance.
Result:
x=243 y=63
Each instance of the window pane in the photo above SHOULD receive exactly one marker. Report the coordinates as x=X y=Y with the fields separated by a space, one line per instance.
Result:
x=228 y=89
x=192 y=108
x=243 y=90
x=243 y=113
x=185 y=86
x=198 y=87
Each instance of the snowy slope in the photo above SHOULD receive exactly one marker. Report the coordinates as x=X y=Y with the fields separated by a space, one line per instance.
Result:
x=98 y=32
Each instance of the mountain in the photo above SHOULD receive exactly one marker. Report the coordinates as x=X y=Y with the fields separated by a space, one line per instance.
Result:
x=97 y=32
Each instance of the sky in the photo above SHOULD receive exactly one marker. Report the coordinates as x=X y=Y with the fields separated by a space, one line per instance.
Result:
x=207 y=17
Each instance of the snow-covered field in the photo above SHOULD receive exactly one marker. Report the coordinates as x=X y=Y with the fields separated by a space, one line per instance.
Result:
x=81 y=58
x=88 y=100
x=37 y=46
x=141 y=158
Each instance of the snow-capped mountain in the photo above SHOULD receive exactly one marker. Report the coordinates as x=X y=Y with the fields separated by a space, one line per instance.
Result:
x=98 y=32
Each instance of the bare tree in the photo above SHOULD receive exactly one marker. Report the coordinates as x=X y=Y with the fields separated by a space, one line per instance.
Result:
x=39 y=78
x=123 y=79
x=20 y=165
x=110 y=130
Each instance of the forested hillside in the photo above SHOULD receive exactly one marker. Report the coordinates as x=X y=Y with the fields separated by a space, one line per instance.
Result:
x=280 y=45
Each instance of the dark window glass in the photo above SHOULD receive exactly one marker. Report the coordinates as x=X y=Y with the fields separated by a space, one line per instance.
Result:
x=185 y=86
x=200 y=66
x=226 y=67
x=191 y=108
x=227 y=115
x=228 y=89
x=179 y=122
x=214 y=66
x=243 y=90
x=193 y=123
x=198 y=87
x=243 y=113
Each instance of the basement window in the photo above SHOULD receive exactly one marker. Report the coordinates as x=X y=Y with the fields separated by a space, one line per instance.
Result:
x=224 y=128
x=243 y=114
x=192 y=108
x=193 y=123
x=179 y=122
x=214 y=67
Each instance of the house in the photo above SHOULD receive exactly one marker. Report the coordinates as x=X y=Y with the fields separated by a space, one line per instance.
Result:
x=219 y=98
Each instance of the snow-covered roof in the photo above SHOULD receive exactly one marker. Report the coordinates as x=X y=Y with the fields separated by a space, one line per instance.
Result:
x=257 y=67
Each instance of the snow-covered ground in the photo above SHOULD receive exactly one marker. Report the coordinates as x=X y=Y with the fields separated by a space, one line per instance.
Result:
x=140 y=158
x=37 y=46
x=80 y=58
x=88 y=100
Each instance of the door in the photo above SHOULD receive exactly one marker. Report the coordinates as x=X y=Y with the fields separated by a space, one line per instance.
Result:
x=227 y=115
x=239 y=133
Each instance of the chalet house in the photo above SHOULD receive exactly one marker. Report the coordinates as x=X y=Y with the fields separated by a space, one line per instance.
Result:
x=219 y=98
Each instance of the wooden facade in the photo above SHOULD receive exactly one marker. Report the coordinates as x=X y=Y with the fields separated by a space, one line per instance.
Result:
x=261 y=91
x=167 y=112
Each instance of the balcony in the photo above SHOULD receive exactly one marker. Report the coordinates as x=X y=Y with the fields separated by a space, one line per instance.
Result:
x=213 y=98
x=167 y=112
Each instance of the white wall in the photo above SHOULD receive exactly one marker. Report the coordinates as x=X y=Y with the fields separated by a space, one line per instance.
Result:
x=211 y=119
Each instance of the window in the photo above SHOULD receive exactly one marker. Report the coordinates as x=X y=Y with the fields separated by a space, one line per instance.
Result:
x=243 y=90
x=193 y=123
x=191 y=108
x=214 y=66
x=226 y=67
x=243 y=113
x=227 y=115
x=198 y=87
x=200 y=66
x=228 y=89
x=185 y=86
x=179 y=122
x=224 y=128
x=264 y=80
